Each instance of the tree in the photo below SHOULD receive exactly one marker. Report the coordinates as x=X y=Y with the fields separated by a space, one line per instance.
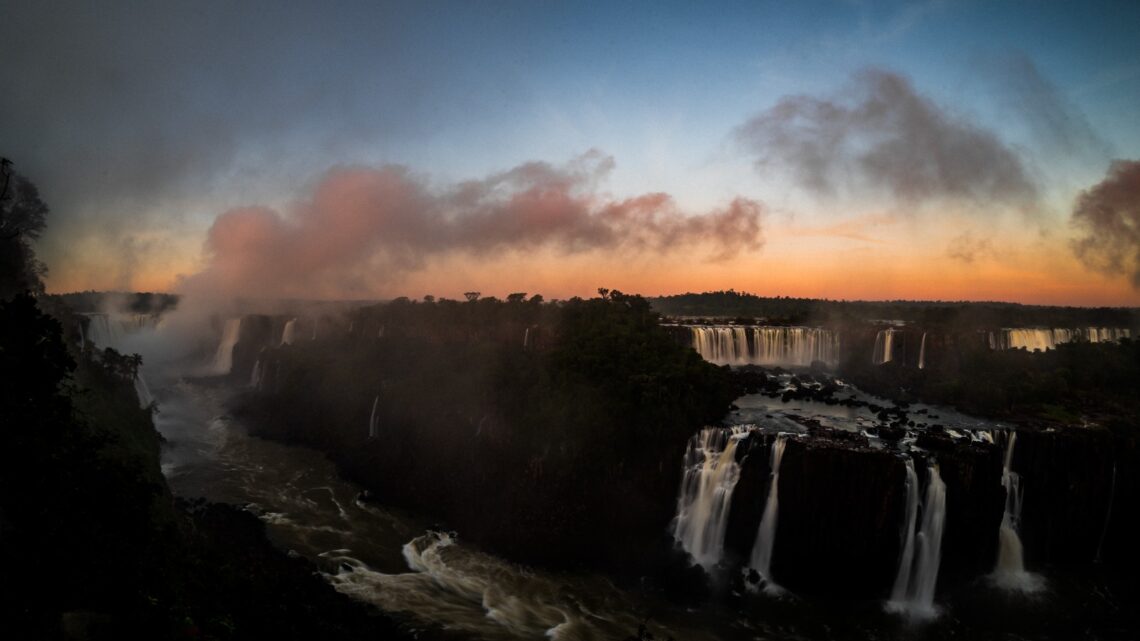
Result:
x=472 y=296
x=516 y=297
x=22 y=219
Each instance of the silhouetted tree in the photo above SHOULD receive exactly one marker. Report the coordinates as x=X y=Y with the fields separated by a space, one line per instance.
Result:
x=22 y=219
x=471 y=296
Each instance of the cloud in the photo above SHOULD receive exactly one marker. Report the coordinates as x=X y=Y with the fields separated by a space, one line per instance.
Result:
x=880 y=134
x=362 y=226
x=1108 y=218
x=1055 y=123
x=967 y=247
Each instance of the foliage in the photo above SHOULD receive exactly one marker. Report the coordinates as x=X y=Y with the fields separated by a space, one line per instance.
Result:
x=1078 y=379
x=519 y=421
x=945 y=315
x=22 y=220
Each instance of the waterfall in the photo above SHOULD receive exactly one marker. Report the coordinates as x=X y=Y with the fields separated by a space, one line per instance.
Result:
x=917 y=576
x=765 y=345
x=374 y=420
x=906 y=559
x=1044 y=339
x=761 y=560
x=1107 y=515
x=711 y=473
x=224 y=357
x=255 y=378
x=884 y=346
x=1009 y=572
x=526 y=338
x=922 y=353
x=142 y=390
x=290 y=332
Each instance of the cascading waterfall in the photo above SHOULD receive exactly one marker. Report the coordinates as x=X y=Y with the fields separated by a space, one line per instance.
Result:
x=765 y=345
x=761 y=559
x=374 y=420
x=526 y=338
x=255 y=377
x=906 y=559
x=1044 y=339
x=884 y=346
x=104 y=331
x=711 y=473
x=1107 y=515
x=290 y=333
x=917 y=576
x=922 y=353
x=142 y=390
x=224 y=357
x=101 y=332
x=1009 y=572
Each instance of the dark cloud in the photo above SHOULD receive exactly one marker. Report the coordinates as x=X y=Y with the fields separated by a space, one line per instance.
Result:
x=881 y=134
x=1108 y=218
x=1057 y=126
x=967 y=247
x=364 y=226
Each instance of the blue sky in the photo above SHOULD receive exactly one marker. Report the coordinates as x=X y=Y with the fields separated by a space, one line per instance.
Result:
x=141 y=122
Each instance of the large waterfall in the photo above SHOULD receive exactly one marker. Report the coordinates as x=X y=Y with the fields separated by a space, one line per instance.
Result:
x=765 y=345
x=290 y=332
x=105 y=330
x=1043 y=339
x=917 y=576
x=711 y=473
x=884 y=346
x=224 y=357
x=922 y=353
x=1009 y=572
x=374 y=420
x=761 y=559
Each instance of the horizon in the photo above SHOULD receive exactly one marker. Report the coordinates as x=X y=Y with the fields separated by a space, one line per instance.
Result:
x=836 y=151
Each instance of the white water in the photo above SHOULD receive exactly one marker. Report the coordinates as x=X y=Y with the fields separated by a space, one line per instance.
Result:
x=289 y=334
x=373 y=420
x=906 y=558
x=224 y=357
x=382 y=556
x=884 y=346
x=526 y=338
x=1009 y=571
x=913 y=592
x=1044 y=339
x=255 y=377
x=922 y=353
x=765 y=345
x=711 y=473
x=761 y=559
x=107 y=331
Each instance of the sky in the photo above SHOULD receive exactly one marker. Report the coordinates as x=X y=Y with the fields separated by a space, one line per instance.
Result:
x=847 y=150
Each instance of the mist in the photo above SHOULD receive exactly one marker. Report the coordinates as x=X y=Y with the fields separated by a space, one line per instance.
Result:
x=880 y=134
x=1107 y=219
x=363 y=227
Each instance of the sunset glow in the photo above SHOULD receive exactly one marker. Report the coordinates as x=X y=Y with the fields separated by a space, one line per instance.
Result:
x=918 y=151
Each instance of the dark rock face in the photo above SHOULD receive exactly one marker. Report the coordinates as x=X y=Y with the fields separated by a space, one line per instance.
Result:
x=257 y=332
x=841 y=507
x=975 y=503
x=1067 y=480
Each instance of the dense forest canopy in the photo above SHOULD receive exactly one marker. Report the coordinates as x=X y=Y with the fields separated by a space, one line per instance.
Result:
x=958 y=314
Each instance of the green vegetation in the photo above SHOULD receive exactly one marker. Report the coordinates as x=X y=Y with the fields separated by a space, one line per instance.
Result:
x=524 y=448
x=92 y=544
x=932 y=314
x=1075 y=381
